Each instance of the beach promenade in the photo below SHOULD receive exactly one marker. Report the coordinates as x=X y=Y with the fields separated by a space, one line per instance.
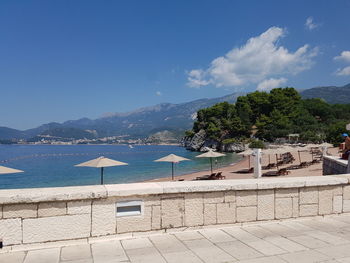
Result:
x=318 y=239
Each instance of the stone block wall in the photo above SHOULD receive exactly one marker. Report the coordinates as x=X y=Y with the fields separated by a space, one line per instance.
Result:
x=334 y=165
x=30 y=216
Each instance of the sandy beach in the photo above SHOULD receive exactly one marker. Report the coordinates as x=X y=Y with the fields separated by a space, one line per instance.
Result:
x=232 y=171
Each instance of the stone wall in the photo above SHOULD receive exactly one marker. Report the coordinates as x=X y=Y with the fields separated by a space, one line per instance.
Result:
x=334 y=165
x=30 y=216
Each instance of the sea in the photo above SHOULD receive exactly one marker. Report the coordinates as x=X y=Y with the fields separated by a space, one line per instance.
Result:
x=53 y=165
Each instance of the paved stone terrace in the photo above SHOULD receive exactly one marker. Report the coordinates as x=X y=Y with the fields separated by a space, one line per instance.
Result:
x=302 y=240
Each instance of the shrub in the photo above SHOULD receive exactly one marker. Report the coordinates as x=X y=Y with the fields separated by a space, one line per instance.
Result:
x=257 y=144
x=230 y=140
x=189 y=133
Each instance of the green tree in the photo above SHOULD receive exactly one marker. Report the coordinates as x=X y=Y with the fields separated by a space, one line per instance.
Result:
x=274 y=115
x=259 y=103
x=335 y=131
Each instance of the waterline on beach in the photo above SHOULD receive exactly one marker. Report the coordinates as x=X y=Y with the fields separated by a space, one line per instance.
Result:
x=51 y=166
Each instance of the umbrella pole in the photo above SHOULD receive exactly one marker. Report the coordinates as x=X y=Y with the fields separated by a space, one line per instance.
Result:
x=249 y=161
x=299 y=157
x=276 y=162
x=172 y=171
x=101 y=175
x=211 y=165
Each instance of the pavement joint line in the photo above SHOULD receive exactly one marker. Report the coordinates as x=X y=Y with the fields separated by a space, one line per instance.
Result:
x=25 y=256
x=154 y=245
x=249 y=245
x=126 y=254
x=60 y=255
x=216 y=244
x=92 y=255
x=194 y=253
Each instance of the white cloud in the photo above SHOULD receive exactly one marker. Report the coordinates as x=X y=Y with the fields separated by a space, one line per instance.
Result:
x=309 y=24
x=343 y=72
x=158 y=93
x=196 y=78
x=260 y=58
x=269 y=84
x=345 y=55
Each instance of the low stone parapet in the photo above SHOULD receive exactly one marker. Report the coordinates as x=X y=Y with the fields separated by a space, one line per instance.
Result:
x=29 y=216
x=334 y=165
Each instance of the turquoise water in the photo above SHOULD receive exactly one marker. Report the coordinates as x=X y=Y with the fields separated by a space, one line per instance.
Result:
x=53 y=165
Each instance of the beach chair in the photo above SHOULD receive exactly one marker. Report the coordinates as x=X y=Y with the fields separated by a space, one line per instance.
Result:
x=205 y=177
x=304 y=164
x=293 y=167
x=212 y=177
x=220 y=176
x=317 y=155
x=245 y=171
x=269 y=166
x=282 y=171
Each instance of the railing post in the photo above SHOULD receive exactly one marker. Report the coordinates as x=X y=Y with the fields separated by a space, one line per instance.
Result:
x=257 y=163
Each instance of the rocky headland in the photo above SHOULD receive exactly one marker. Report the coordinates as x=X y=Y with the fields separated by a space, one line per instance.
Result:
x=200 y=142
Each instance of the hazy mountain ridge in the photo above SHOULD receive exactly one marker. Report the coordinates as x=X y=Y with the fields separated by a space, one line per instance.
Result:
x=9 y=133
x=331 y=94
x=143 y=122
x=139 y=123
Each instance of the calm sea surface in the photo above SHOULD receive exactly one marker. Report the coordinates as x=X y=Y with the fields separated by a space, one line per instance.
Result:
x=53 y=165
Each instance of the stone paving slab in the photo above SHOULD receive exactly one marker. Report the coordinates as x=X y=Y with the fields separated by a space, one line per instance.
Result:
x=309 y=256
x=42 y=256
x=72 y=253
x=292 y=241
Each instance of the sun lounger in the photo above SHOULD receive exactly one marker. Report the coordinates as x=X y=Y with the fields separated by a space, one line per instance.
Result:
x=283 y=171
x=271 y=173
x=280 y=172
x=269 y=166
x=285 y=158
x=293 y=167
x=245 y=171
x=205 y=177
x=220 y=176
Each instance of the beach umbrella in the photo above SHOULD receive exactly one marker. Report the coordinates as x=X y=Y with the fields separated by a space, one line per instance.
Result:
x=172 y=158
x=101 y=162
x=7 y=170
x=210 y=154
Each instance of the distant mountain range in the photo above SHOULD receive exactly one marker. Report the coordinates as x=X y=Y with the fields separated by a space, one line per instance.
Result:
x=331 y=94
x=145 y=122
x=140 y=123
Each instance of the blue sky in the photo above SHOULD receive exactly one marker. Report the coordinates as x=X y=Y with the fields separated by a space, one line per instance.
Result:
x=62 y=60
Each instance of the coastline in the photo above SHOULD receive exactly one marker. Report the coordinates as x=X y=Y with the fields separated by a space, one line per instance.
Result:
x=241 y=164
x=230 y=171
x=100 y=144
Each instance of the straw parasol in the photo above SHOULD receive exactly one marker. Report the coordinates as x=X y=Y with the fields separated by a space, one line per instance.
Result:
x=101 y=162
x=210 y=154
x=172 y=158
x=7 y=170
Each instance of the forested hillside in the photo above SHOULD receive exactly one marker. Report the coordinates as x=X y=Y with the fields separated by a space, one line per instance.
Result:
x=331 y=94
x=273 y=115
